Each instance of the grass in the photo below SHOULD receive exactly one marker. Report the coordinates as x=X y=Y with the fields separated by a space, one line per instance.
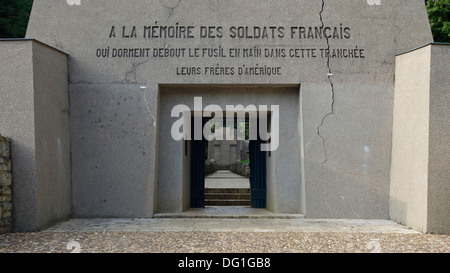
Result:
x=244 y=161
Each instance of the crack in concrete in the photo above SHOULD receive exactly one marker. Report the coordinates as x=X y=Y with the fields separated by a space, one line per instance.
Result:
x=130 y=76
x=148 y=109
x=133 y=73
x=134 y=67
x=171 y=9
x=332 y=89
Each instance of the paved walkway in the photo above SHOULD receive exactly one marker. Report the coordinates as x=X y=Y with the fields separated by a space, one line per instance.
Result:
x=226 y=179
x=231 y=225
x=230 y=212
x=201 y=235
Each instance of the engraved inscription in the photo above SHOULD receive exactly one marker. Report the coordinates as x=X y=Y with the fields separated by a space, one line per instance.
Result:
x=259 y=53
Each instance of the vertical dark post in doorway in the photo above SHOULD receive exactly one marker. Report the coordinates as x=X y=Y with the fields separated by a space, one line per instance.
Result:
x=258 y=176
x=197 y=175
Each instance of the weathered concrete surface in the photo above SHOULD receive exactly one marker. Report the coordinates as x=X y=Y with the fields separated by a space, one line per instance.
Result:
x=344 y=122
x=34 y=113
x=17 y=122
x=267 y=223
x=112 y=150
x=409 y=174
x=283 y=176
x=438 y=169
x=420 y=187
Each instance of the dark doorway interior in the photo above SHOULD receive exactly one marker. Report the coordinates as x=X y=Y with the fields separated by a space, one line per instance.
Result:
x=258 y=176
x=197 y=176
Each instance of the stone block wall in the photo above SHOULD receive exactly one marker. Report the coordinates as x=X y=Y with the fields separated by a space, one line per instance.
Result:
x=242 y=169
x=210 y=168
x=5 y=185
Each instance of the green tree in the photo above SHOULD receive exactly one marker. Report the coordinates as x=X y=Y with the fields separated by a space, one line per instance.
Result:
x=439 y=15
x=14 y=16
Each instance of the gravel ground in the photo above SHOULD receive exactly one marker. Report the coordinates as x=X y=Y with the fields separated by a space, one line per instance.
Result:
x=223 y=242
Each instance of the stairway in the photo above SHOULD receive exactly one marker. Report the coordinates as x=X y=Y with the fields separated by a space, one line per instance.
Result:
x=227 y=197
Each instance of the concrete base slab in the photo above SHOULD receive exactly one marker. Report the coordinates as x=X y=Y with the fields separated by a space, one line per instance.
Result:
x=230 y=212
x=231 y=225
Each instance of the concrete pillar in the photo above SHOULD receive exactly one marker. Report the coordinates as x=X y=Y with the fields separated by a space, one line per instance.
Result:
x=420 y=171
x=34 y=113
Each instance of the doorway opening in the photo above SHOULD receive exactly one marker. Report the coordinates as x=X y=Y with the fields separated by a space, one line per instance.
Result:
x=230 y=170
x=227 y=165
x=285 y=184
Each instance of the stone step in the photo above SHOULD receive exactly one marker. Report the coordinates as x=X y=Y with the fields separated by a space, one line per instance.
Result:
x=220 y=202
x=227 y=196
x=226 y=190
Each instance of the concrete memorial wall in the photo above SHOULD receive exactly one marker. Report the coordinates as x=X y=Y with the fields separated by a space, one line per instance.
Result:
x=330 y=62
x=328 y=65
